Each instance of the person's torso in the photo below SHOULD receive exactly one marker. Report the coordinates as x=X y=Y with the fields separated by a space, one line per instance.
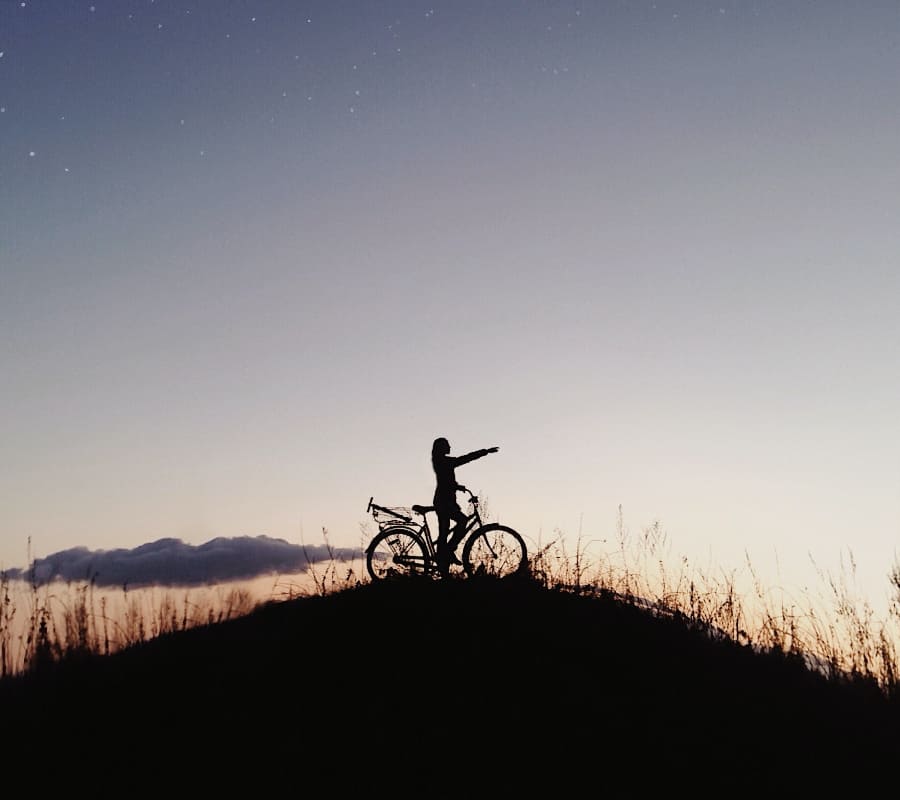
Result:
x=446 y=479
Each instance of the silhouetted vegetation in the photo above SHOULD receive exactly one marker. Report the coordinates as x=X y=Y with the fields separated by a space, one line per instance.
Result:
x=548 y=682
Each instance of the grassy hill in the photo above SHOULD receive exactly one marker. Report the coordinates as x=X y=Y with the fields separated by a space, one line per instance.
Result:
x=486 y=687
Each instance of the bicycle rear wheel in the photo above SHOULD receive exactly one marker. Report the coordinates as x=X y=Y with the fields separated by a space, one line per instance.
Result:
x=397 y=552
x=495 y=551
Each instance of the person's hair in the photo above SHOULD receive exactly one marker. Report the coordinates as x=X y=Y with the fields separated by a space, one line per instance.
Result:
x=440 y=448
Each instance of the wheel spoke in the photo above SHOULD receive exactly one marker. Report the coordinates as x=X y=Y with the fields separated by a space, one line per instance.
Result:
x=495 y=551
x=396 y=552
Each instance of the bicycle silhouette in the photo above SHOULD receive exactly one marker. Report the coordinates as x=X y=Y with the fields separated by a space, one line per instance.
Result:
x=404 y=547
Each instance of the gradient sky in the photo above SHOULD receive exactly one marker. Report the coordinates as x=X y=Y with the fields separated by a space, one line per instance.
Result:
x=256 y=255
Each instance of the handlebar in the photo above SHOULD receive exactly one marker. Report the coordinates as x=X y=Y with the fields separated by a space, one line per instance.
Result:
x=472 y=496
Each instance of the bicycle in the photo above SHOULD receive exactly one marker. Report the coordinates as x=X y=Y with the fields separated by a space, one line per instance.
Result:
x=405 y=547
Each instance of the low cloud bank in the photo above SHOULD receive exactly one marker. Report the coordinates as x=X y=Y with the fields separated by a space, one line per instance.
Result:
x=171 y=562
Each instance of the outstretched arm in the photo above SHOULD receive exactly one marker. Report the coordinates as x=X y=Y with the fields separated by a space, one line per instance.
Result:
x=473 y=455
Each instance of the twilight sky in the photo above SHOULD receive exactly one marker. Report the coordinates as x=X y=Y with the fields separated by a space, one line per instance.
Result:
x=256 y=255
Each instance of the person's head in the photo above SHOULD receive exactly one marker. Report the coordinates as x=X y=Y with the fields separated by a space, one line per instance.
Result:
x=441 y=447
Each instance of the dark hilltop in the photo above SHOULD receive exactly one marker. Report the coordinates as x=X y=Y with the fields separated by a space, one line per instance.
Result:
x=429 y=687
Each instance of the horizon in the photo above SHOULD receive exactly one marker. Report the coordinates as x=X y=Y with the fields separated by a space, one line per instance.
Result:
x=254 y=260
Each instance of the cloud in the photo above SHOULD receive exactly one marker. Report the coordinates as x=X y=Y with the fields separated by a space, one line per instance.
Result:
x=171 y=562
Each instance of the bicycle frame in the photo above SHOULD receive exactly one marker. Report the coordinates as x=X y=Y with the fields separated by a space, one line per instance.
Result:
x=473 y=522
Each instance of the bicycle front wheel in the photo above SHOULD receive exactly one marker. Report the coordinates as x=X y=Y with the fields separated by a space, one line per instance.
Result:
x=495 y=551
x=397 y=552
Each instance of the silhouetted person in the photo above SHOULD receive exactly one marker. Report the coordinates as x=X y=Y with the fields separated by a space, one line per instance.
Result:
x=445 y=505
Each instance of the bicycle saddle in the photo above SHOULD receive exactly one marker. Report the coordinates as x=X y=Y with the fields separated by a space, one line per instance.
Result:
x=422 y=509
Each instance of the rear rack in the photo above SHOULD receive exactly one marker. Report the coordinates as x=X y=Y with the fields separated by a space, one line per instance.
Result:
x=386 y=516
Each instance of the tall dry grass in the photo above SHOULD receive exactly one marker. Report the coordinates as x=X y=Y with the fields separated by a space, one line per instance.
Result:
x=835 y=631
x=43 y=624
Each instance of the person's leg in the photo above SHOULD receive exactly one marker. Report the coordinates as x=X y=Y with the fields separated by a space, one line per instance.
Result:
x=443 y=561
x=459 y=530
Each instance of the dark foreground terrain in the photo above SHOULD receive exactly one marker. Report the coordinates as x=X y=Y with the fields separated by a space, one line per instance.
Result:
x=433 y=688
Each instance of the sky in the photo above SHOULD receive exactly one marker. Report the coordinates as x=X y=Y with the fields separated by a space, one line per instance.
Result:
x=256 y=255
